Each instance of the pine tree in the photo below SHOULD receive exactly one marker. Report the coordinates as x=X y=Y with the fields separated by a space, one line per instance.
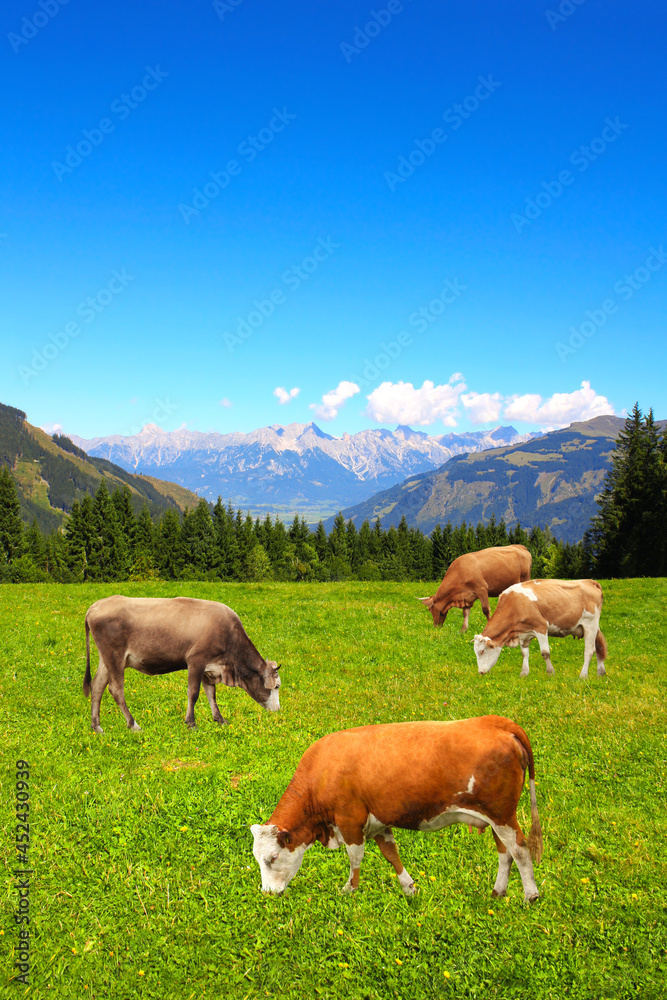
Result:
x=628 y=533
x=122 y=501
x=168 y=548
x=11 y=525
x=35 y=546
x=110 y=557
x=144 y=534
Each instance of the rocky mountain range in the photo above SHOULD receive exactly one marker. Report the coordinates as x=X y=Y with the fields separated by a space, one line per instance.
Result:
x=290 y=469
x=548 y=481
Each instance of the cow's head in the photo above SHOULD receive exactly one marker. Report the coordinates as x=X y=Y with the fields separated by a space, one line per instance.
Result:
x=271 y=679
x=278 y=862
x=487 y=653
x=262 y=683
x=436 y=610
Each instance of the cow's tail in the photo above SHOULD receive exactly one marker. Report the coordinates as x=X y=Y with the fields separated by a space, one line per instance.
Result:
x=535 y=842
x=86 y=679
x=600 y=646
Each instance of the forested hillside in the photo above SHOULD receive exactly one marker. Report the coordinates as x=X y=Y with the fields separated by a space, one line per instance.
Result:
x=552 y=480
x=103 y=540
x=51 y=473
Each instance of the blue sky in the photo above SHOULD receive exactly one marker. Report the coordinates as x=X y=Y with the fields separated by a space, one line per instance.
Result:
x=447 y=214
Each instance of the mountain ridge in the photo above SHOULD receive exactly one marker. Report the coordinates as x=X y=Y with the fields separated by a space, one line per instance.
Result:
x=551 y=480
x=292 y=468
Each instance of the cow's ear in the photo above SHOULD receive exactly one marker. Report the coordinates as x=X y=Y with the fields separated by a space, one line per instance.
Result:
x=428 y=601
x=283 y=838
x=271 y=679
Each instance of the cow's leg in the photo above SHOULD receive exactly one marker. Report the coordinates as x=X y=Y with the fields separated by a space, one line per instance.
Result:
x=484 y=601
x=195 y=675
x=355 y=853
x=100 y=681
x=117 y=689
x=514 y=841
x=504 y=865
x=589 y=648
x=209 y=691
x=600 y=652
x=387 y=845
x=546 y=653
x=525 y=653
x=466 y=616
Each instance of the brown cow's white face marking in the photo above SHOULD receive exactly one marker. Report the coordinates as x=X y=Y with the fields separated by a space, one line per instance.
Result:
x=487 y=654
x=272 y=683
x=278 y=865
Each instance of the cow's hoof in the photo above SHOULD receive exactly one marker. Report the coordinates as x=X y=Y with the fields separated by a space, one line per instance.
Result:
x=349 y=888
x=221 y=721
x=410 y=890
x=602 y=672
x=532 y=899
x=498 y=895
x=524 y=673
x=97 y=729
x=191 y=725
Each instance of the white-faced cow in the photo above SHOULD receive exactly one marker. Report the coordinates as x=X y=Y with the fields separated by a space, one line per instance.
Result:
x=159 y=635
x=538 y=609
x=358 y=784
x=478 y=575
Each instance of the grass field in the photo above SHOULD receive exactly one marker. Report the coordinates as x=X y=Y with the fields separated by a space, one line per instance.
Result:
x=144 y=882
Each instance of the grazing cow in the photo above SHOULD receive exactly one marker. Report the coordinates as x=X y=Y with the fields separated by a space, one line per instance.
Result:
x=538 y=609
x=159 y=635
x=480 y=575
x=356 y=785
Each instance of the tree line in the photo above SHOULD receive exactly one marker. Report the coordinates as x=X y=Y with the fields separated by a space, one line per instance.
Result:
x=103 y=539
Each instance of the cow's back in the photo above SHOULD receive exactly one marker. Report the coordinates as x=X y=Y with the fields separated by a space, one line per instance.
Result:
x=498 y=566
x=162 y=626
x=406 y=772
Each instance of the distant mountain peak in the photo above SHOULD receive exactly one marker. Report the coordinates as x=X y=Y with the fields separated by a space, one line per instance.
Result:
x=291 y=468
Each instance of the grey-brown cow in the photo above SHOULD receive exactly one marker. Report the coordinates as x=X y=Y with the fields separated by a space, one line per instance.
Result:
x=159 y=635
x=478 y=575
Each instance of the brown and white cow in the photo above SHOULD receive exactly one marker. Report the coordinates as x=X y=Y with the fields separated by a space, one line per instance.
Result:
x=538 y=609
x=478 y=575
x=358 y=784
x=157 y=635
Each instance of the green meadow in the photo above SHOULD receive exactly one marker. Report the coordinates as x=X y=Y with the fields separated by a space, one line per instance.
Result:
x=144 y=883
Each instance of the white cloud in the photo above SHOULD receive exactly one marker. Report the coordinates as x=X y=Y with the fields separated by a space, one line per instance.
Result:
x=284 y=395
x=333 y=400
x=52 y=428
x=400 y=402
x=225 y=402
x=482 y=407
x=560 y=409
